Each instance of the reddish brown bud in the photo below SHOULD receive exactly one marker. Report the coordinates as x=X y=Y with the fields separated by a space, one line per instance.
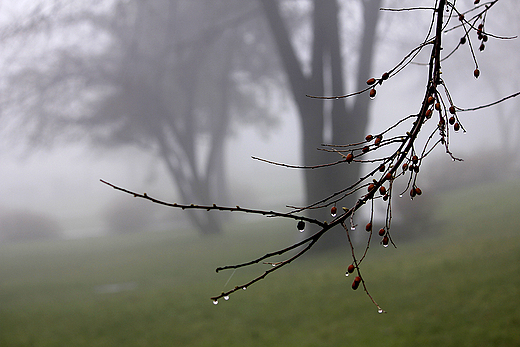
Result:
x=349 y=157
x=385 y=76
x=370 y=186
x=351 y=268
x=382 y=190
x=382 y=232
x=476 y=73
x=372 y=93
x=438 y=106
x=368 y=227
x=378 y=140
x=415 y=159
x=462 y=40
x=388 y=176
x=428 y=113
x=418 y=191
x=369 y=137
x=452 y=109
x=461 y=17
x=482 y=45
x=333 y=211
x=385 y=198
x=412 y=192
x=405 y=166
x=451 y=120
x=356 y=282
x=456 y=126
x=431 y=99
x=365 y=149
x=371 y=81
x=385 y=241
x=382 y=168
x=476 y=2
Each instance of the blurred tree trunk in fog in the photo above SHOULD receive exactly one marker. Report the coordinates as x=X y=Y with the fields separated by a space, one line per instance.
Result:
x=165 y=60
x=156 y=75
x=348 y=121
x=167 y=76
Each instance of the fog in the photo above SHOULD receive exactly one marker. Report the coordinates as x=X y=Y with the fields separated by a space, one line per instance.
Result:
x=173 y=98
x=62 y=181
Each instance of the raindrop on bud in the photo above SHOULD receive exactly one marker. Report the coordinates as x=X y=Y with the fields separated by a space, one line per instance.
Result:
x=333 y=211
x=380 y=310
x=215 y=302
x=301 y=226
x=244 y=288
x=226 y=297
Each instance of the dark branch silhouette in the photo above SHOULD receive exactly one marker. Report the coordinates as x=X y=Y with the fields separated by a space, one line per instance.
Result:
x=404 y=161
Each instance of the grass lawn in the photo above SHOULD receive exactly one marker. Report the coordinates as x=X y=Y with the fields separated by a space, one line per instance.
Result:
x=461 y=288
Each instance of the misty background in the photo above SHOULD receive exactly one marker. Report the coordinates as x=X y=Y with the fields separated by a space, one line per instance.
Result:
x=60 y=64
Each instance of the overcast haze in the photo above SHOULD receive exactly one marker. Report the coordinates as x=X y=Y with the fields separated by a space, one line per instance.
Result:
x=64 y=181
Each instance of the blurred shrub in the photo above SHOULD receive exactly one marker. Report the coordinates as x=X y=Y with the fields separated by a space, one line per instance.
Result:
x=128 y=215
x=416 y=219
x=413 y=219
x=475 y=169
x=21 y=225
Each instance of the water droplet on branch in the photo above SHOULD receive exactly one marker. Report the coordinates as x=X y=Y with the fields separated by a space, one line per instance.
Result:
x=301 y=226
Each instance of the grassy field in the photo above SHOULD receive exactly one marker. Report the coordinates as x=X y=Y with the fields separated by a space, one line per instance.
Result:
x=460 y=288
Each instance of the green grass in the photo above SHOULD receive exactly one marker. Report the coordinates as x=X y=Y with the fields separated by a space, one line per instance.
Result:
x=461 y=288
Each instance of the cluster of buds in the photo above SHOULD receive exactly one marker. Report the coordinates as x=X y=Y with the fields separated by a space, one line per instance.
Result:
x=374 y=82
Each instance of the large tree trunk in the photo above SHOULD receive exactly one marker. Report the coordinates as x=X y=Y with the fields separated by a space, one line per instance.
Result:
x=348 y=124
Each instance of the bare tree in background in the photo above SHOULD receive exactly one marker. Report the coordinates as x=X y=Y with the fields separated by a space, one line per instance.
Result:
x=437 y=117
x=326 y=75
x=165 y=76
